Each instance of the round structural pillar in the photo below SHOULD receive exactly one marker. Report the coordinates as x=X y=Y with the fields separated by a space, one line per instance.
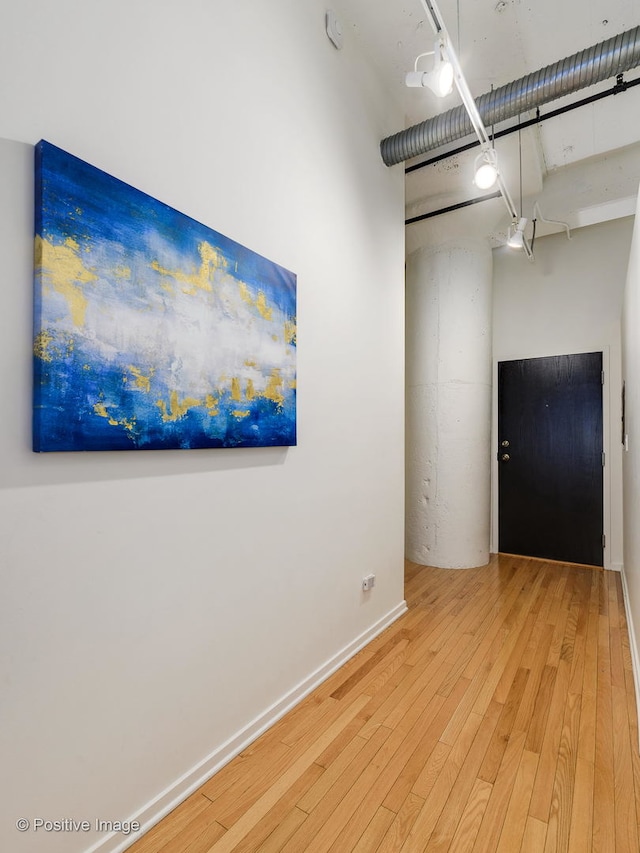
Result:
x=448 y=432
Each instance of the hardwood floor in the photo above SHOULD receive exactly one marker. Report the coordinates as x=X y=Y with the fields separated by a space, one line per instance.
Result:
x=498 y=714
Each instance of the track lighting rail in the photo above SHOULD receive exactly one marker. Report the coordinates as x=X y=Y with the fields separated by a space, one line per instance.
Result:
x=473 y=113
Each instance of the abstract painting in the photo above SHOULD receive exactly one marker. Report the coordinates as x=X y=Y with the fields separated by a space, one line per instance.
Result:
x=152 y=331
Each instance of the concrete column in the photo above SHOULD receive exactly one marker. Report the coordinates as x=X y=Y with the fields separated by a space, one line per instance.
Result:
x=448 y=452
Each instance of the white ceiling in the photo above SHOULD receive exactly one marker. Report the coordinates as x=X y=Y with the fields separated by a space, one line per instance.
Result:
x=585 y=160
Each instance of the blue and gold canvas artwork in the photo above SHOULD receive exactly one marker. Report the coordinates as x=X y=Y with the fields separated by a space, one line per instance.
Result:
x=152 y=331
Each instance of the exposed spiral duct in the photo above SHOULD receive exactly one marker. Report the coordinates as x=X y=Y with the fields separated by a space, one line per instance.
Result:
x=592 y=65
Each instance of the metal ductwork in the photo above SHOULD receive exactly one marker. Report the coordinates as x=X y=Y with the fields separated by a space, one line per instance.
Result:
x=600 y=62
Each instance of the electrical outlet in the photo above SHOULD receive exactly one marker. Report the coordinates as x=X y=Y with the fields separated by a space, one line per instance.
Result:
x=368 y=582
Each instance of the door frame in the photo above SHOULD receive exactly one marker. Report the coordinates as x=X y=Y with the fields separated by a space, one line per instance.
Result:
x=606 y=443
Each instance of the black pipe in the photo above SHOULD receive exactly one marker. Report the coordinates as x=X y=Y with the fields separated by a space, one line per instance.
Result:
x=453 y=207
x=620 y=86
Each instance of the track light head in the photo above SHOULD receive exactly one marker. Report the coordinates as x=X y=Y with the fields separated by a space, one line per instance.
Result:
x=486 y=169
x=516 y=234
x=440 y=78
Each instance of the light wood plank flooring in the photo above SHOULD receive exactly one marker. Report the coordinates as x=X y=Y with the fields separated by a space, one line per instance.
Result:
x=498 y=714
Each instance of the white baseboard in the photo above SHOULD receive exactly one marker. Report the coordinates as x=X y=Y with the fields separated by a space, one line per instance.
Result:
x=633 y=642
x=178 y=791
x=615 y=567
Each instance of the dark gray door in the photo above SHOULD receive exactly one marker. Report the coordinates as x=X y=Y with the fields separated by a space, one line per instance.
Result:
x=550 y=457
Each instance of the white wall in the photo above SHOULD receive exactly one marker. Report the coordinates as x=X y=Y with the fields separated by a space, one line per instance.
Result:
x=156 y=604
x=569 y=300
x=631 y=457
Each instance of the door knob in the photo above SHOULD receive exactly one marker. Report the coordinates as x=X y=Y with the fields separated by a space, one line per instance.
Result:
x=504 y=443
x=505 y=457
